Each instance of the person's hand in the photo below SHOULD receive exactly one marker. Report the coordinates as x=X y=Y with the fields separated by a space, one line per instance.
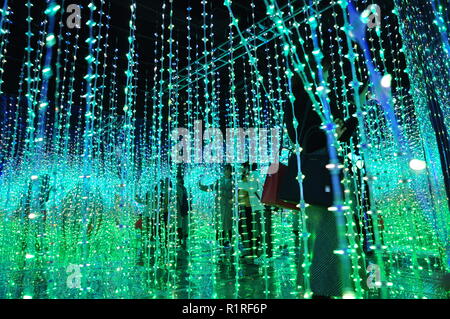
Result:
x=340 y=128
x=363 y=95
x=139 y=199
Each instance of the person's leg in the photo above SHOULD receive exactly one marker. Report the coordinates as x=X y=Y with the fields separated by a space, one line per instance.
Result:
x=268 y=231
x=250 y=236
x=324 y=273
x=263 y=233
x=184 y=230
x=315 y=215
x=180 y=234
x=255 y=232
x=242 y=225
x=227 y=222
x=245 y=227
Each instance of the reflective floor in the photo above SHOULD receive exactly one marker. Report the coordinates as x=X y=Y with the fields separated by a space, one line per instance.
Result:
x=277 y=277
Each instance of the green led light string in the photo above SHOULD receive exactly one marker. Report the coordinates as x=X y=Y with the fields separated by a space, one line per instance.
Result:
x=206 y=81
x=127 y=175
x=47 y=73
x=350 y=183
x=438 y=9
x=15 y=149
x=104 y=125
x=357 y=256
x=33 y=80
x=158 y=153
x=4 y=13
x=301 y=217
x=173 y=122
x=34 y=251
x=66 y=97
x=338 y=196
x=87 y=156
x=233 y=122
x=58 y=91
x=341 y=222
x=53 y=218
x=355 y=86
x=96 y=104
x=215 y=99
x=291 y=98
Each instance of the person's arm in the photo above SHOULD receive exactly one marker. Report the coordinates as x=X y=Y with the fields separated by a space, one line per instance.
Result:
x=139 y=200
x=205 y=188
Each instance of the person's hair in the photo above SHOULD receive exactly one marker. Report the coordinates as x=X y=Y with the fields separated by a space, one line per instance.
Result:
x=180 y=172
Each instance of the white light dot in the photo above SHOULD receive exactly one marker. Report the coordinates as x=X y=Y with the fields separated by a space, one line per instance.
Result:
x=417 y=165
x=349 y=295
x=386 y=81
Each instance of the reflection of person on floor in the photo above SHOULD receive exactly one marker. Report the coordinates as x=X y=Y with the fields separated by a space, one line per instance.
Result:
x=153 y=220
x=182 y=210
x=226 y=204
x=224 y=189
x=162 y=209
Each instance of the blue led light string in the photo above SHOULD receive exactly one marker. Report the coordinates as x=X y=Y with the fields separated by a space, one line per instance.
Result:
x=55 y=136
x=5 y=23
x=4 y=13
x=68 y=116
x=47 y=73
x=364 y=146
x=4 y=41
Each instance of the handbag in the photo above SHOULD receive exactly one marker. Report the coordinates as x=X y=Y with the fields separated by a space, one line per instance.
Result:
x=317 y=184
x=270 y=194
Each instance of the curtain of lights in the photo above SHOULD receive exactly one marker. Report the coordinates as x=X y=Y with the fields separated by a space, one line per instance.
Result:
x=90 y=192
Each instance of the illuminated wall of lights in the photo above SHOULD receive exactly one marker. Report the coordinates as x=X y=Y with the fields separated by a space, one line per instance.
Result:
x=89 y=206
